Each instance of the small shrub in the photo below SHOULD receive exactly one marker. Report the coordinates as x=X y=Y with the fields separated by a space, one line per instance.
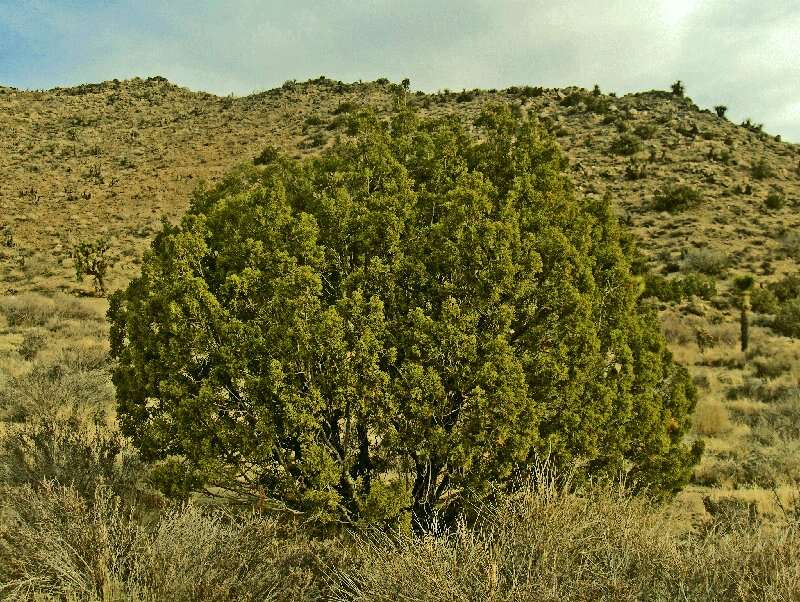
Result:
x=790 y=245
x=775 y=201
x=269 y=155
x=465 y=96
x=787 y=320
x=756 y=128
x=635 y=170
x=761 y=169
x=62 y=547
x=645 y=131
x=315 y=141
x=787 y=288
x=530 y=91
x=33 y=341
x=344 y=107
x=31 y=309
x=92 y=259
x=677 y=289
x=699 y=285
x=675 y=198
x=678 y=89
x=763 y=301
x=71 y=451
x=7 y=237
x=721 y=110
x=53 y=387
x=661 y=288
x=626 y=145
x=705 y=261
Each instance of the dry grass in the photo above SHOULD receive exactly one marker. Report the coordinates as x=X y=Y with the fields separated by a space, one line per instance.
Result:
x=544 y=543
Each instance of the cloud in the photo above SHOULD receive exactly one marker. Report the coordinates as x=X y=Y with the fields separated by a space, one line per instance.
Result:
x=740 y=53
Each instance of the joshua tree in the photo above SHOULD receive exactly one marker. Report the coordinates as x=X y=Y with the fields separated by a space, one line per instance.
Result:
x=91 y=259
x=721 y=109
x=744 y=284
x=678 y=89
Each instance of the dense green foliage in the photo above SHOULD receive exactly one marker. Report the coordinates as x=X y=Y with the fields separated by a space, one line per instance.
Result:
x=407 y=320
x=675 y=290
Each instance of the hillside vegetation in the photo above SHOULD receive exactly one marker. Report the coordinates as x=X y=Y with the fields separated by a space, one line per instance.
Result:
x=89 y=175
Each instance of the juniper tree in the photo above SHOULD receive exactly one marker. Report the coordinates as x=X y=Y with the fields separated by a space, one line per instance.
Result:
x=410 y=317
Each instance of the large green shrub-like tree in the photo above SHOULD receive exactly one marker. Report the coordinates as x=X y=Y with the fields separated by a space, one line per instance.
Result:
x=413 y=315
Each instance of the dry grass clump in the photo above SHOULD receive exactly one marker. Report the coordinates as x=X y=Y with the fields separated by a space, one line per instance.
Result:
x=711 y=417
x=32 y=309
x=545 y=544
x=83 y=452
x=57 y=545
x=48 y=387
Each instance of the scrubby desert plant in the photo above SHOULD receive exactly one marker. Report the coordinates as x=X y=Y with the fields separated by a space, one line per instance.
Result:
x=775 y=201
x=760 y=169
x=626 y=145
x=787 y=320
x=59 y=545
x=266 y=156
x=675 y=198
x=678 y=89
x=547 y=544
x=706 y=261
x=763 y=300
x=411 y=316
x=786 y=288
x=721 y=110
x=82 y=452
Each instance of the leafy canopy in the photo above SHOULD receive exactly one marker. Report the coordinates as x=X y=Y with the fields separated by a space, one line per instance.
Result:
x=411 y=317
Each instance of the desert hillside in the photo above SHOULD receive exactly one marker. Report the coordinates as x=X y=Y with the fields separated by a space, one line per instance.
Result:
x=111 y=159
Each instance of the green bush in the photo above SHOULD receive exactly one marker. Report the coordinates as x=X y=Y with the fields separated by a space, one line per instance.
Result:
x=626 y=145
x=786 y=288
x=411 y=316
x=645 y=131
x=761 y=169
x=267 y=156
x=675 y=290
x=675 y=198
x=763 y=301
x=678 y=89
x=706 y=261
x=775 y=201
x=787 y=320
x=698 y=285
x=663 y=289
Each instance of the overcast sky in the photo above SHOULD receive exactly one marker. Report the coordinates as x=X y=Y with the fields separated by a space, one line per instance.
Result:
x=741 y=53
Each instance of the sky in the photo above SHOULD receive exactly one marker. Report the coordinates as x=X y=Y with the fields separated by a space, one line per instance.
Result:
x=744 y=54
